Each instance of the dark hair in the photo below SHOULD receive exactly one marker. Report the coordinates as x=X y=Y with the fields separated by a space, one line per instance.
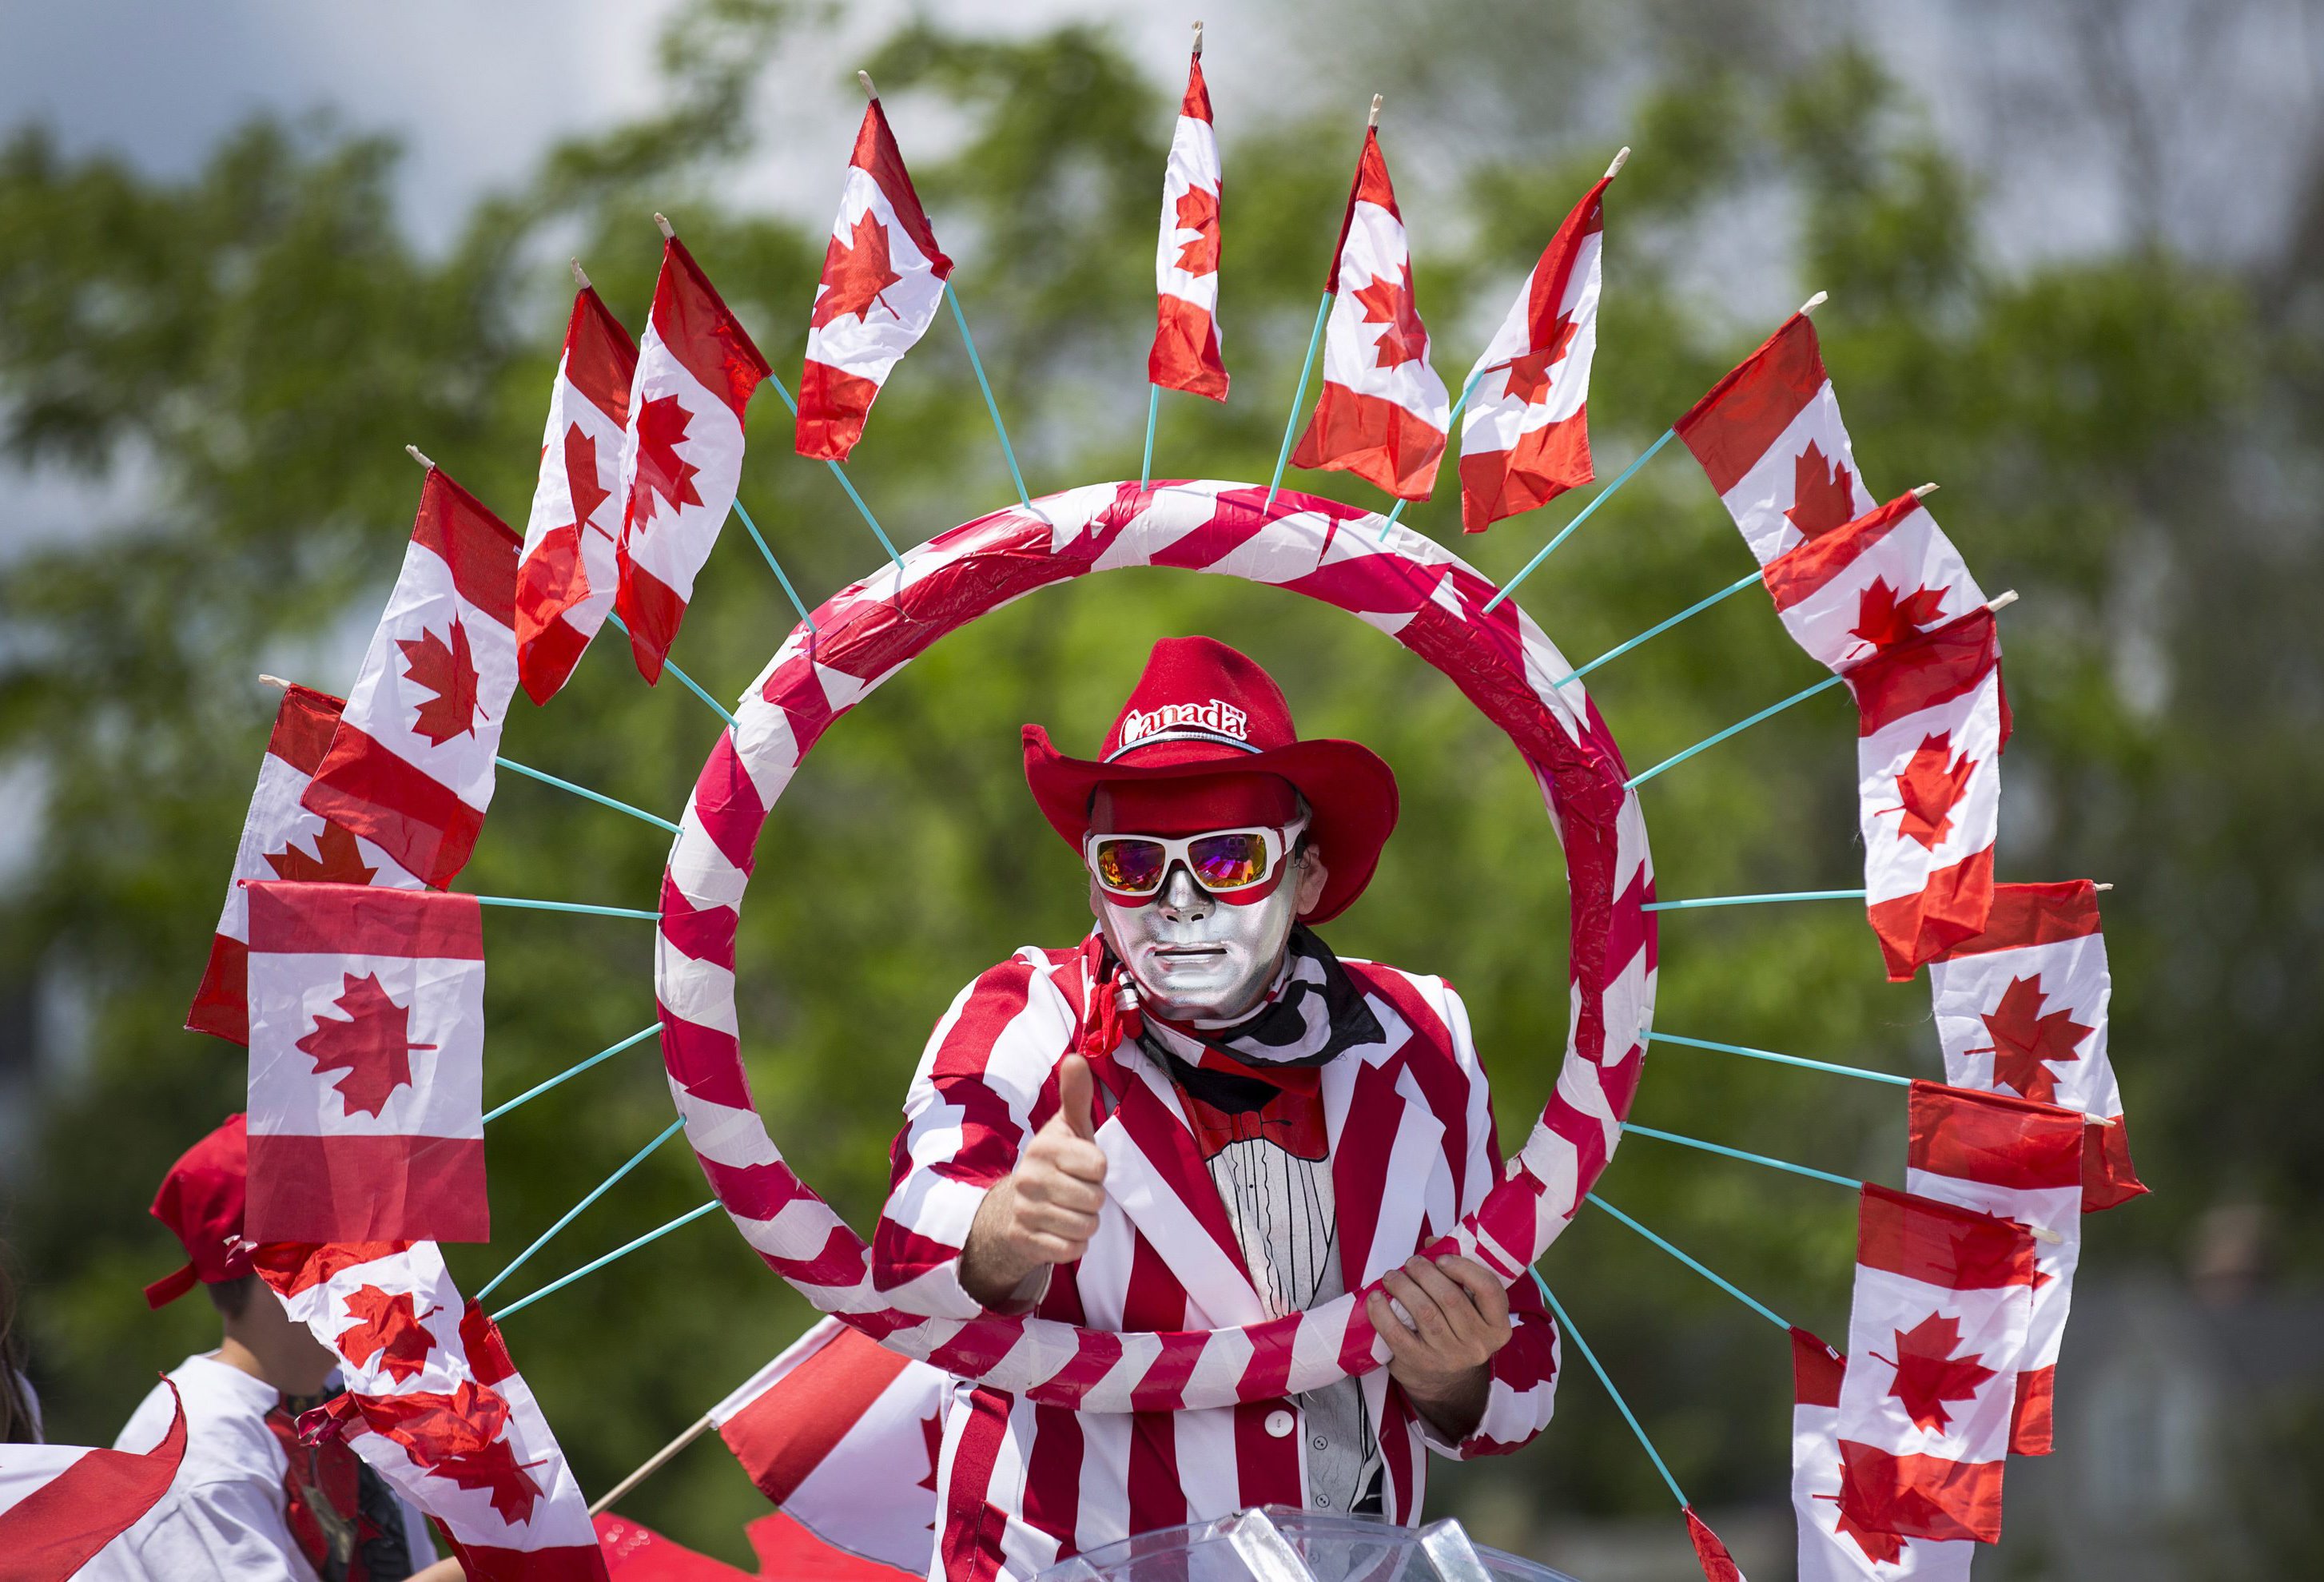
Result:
x=17 y=1422
x=231 y=1297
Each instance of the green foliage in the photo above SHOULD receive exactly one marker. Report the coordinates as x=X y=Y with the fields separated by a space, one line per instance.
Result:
x=251 y=348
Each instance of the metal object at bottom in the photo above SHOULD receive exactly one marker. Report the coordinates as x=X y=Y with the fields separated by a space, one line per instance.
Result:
x=1280 y=1543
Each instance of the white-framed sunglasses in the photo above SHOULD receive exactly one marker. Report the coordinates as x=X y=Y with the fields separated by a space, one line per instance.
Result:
x=1219 y=860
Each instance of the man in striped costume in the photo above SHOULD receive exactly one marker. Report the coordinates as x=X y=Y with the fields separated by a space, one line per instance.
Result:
x=1200 y=1117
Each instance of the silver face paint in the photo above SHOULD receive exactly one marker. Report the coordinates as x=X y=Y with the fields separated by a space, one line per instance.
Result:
x=1197 y=959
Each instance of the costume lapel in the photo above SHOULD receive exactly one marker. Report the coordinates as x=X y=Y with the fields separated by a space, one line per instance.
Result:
x=1386 y=1145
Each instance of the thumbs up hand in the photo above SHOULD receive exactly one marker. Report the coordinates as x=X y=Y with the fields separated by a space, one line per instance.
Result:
x=1046 y=1210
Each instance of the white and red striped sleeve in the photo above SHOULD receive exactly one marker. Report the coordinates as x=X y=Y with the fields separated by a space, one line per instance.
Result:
x=883 y=277
x=1770 y=438
x=1862 y=589
x=970 y=1108
x=1185 y=353
x=566 y=578
x=282 y=839
x=1931 y=721
x=1383 y=414
x=1525 y=439
x=410 y=766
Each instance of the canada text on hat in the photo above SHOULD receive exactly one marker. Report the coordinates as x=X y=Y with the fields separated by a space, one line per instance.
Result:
x=1170 y=722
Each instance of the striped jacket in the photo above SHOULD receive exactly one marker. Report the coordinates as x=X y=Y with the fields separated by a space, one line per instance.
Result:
x=1410 y=1125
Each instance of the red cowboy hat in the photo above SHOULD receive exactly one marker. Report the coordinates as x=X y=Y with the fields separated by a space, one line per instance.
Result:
x=1201 y=709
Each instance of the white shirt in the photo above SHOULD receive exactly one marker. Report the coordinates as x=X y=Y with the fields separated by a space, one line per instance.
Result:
x=223 y=1519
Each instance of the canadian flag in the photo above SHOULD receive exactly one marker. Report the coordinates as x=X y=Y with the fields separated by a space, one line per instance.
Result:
x=366 y=1064
x=436 y=1406
x=2023 y=1008
x=62 y=1504
x=843 y=1435
x=410 y=766
x=682 y=455
x=1770 y=437
x=1833 y=1548
x=565 y=582
x=883 y=276
x=282 y=839
x=1526 y=437
x=1186 y=354
x=1862 y=588
x=2021 y=1161
x=1383 y=414
x=1936 y=1332
x=1930 y=725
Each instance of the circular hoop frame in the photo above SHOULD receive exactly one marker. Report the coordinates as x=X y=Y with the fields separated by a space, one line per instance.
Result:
x=1400 y=581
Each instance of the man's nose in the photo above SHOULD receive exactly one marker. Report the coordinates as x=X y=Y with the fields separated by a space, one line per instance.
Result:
x=1183 y=897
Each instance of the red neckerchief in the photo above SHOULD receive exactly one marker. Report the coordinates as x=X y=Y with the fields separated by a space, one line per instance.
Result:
x=322 y=1502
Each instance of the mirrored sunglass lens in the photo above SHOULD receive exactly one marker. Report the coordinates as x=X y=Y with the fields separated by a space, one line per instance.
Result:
x=1227 y=862
x=1132 y=867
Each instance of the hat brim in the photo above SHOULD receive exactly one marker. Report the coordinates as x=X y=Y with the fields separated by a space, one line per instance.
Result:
x=1350 y=790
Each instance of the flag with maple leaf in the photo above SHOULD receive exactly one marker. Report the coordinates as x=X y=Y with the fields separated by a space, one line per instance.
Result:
x=282 y=839
x=843 y=1435
x=1936 y=1331
x=883 y=277
x=2022 y=1008
x=1185 y=353
x=1525 y=439
x=409 y=767
x=566 y=577
x=61 y=1505
x=366 y=1064
x=1831 y=1547
x=1863 y=588
x=2010 y=1156
x=682 y=453
x=1770 y=437
x=435 y=1404
x=1931 y=721
x=1383 y=413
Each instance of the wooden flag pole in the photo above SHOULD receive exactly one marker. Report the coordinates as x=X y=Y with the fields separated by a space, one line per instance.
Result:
x=653 y=1463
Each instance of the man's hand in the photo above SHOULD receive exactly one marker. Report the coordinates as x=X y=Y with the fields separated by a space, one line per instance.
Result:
x=1045 y=1212
x=1460 y=1318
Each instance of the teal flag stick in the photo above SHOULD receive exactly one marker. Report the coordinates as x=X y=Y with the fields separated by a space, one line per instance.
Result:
x=1580 y=517
x=840 y=473
x=1565 y=1323
x=574 y=1213
x=1655 y=630
x=685 y=680
x=1787 y=1059
x=1846 y=1181
x=606 y=1054
x=1153 y=410
x=583 y=791
x=1298 y=401
x=1731 y=1289
x=1698 y=901
x=1452 y=439
x=984 y=384
x=1772 y=710
x=776 y=565
x=624 y=1251
x=566 y=906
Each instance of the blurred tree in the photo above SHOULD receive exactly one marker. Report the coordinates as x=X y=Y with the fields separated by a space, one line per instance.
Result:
x=2120 y=437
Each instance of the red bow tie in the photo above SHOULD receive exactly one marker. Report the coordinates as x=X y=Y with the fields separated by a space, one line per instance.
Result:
x=1292 y=1118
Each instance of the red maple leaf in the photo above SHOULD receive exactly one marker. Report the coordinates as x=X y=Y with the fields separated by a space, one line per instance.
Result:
x=581 y=478
x=1822 y=497
x=463 y=1436
x=386 y=1325
x=1885 y=1548
x=373 y=1046
x=853 y=277
x=932 y=1431
x=2026 y=1042
x=1198 y=211
x=1389 y=302
x=449 y=671
x=1928 y=1373
x=662 y=472
x=337 y=859
x=1930 y=791
x=1884 y=620
x=1529 y=374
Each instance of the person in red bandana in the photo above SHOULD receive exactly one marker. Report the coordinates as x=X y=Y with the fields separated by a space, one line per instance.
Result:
x=250 y=1503
x=1201 y=1118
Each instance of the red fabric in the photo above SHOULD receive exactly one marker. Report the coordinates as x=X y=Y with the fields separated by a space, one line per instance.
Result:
x=1816 y=1368
x=293 y=918
x=405 y=812
x=1920 y=1497
x=1293 y=1119
x=636 y=1553
x=2036 y=915
x=221 y=1005
x=1915 y=930
x=2032 y=1430
x=53 y=1531
x=303 y=724
x=1939 y=1244
x=1381 y=441
x=839 y=402
x=328 y=1472
x=1997 y=1139
x=472 y=541
x=1186 y=353
x=1543 y=464
x=2107 y=1178
x=348 y=1187
x=701 y=331
x=1735 y=422
x=788 y=1552
x=1200 y=710
x=784 y=1434
x=200 y=1199
x=1718 y=1565
x=651 y=610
